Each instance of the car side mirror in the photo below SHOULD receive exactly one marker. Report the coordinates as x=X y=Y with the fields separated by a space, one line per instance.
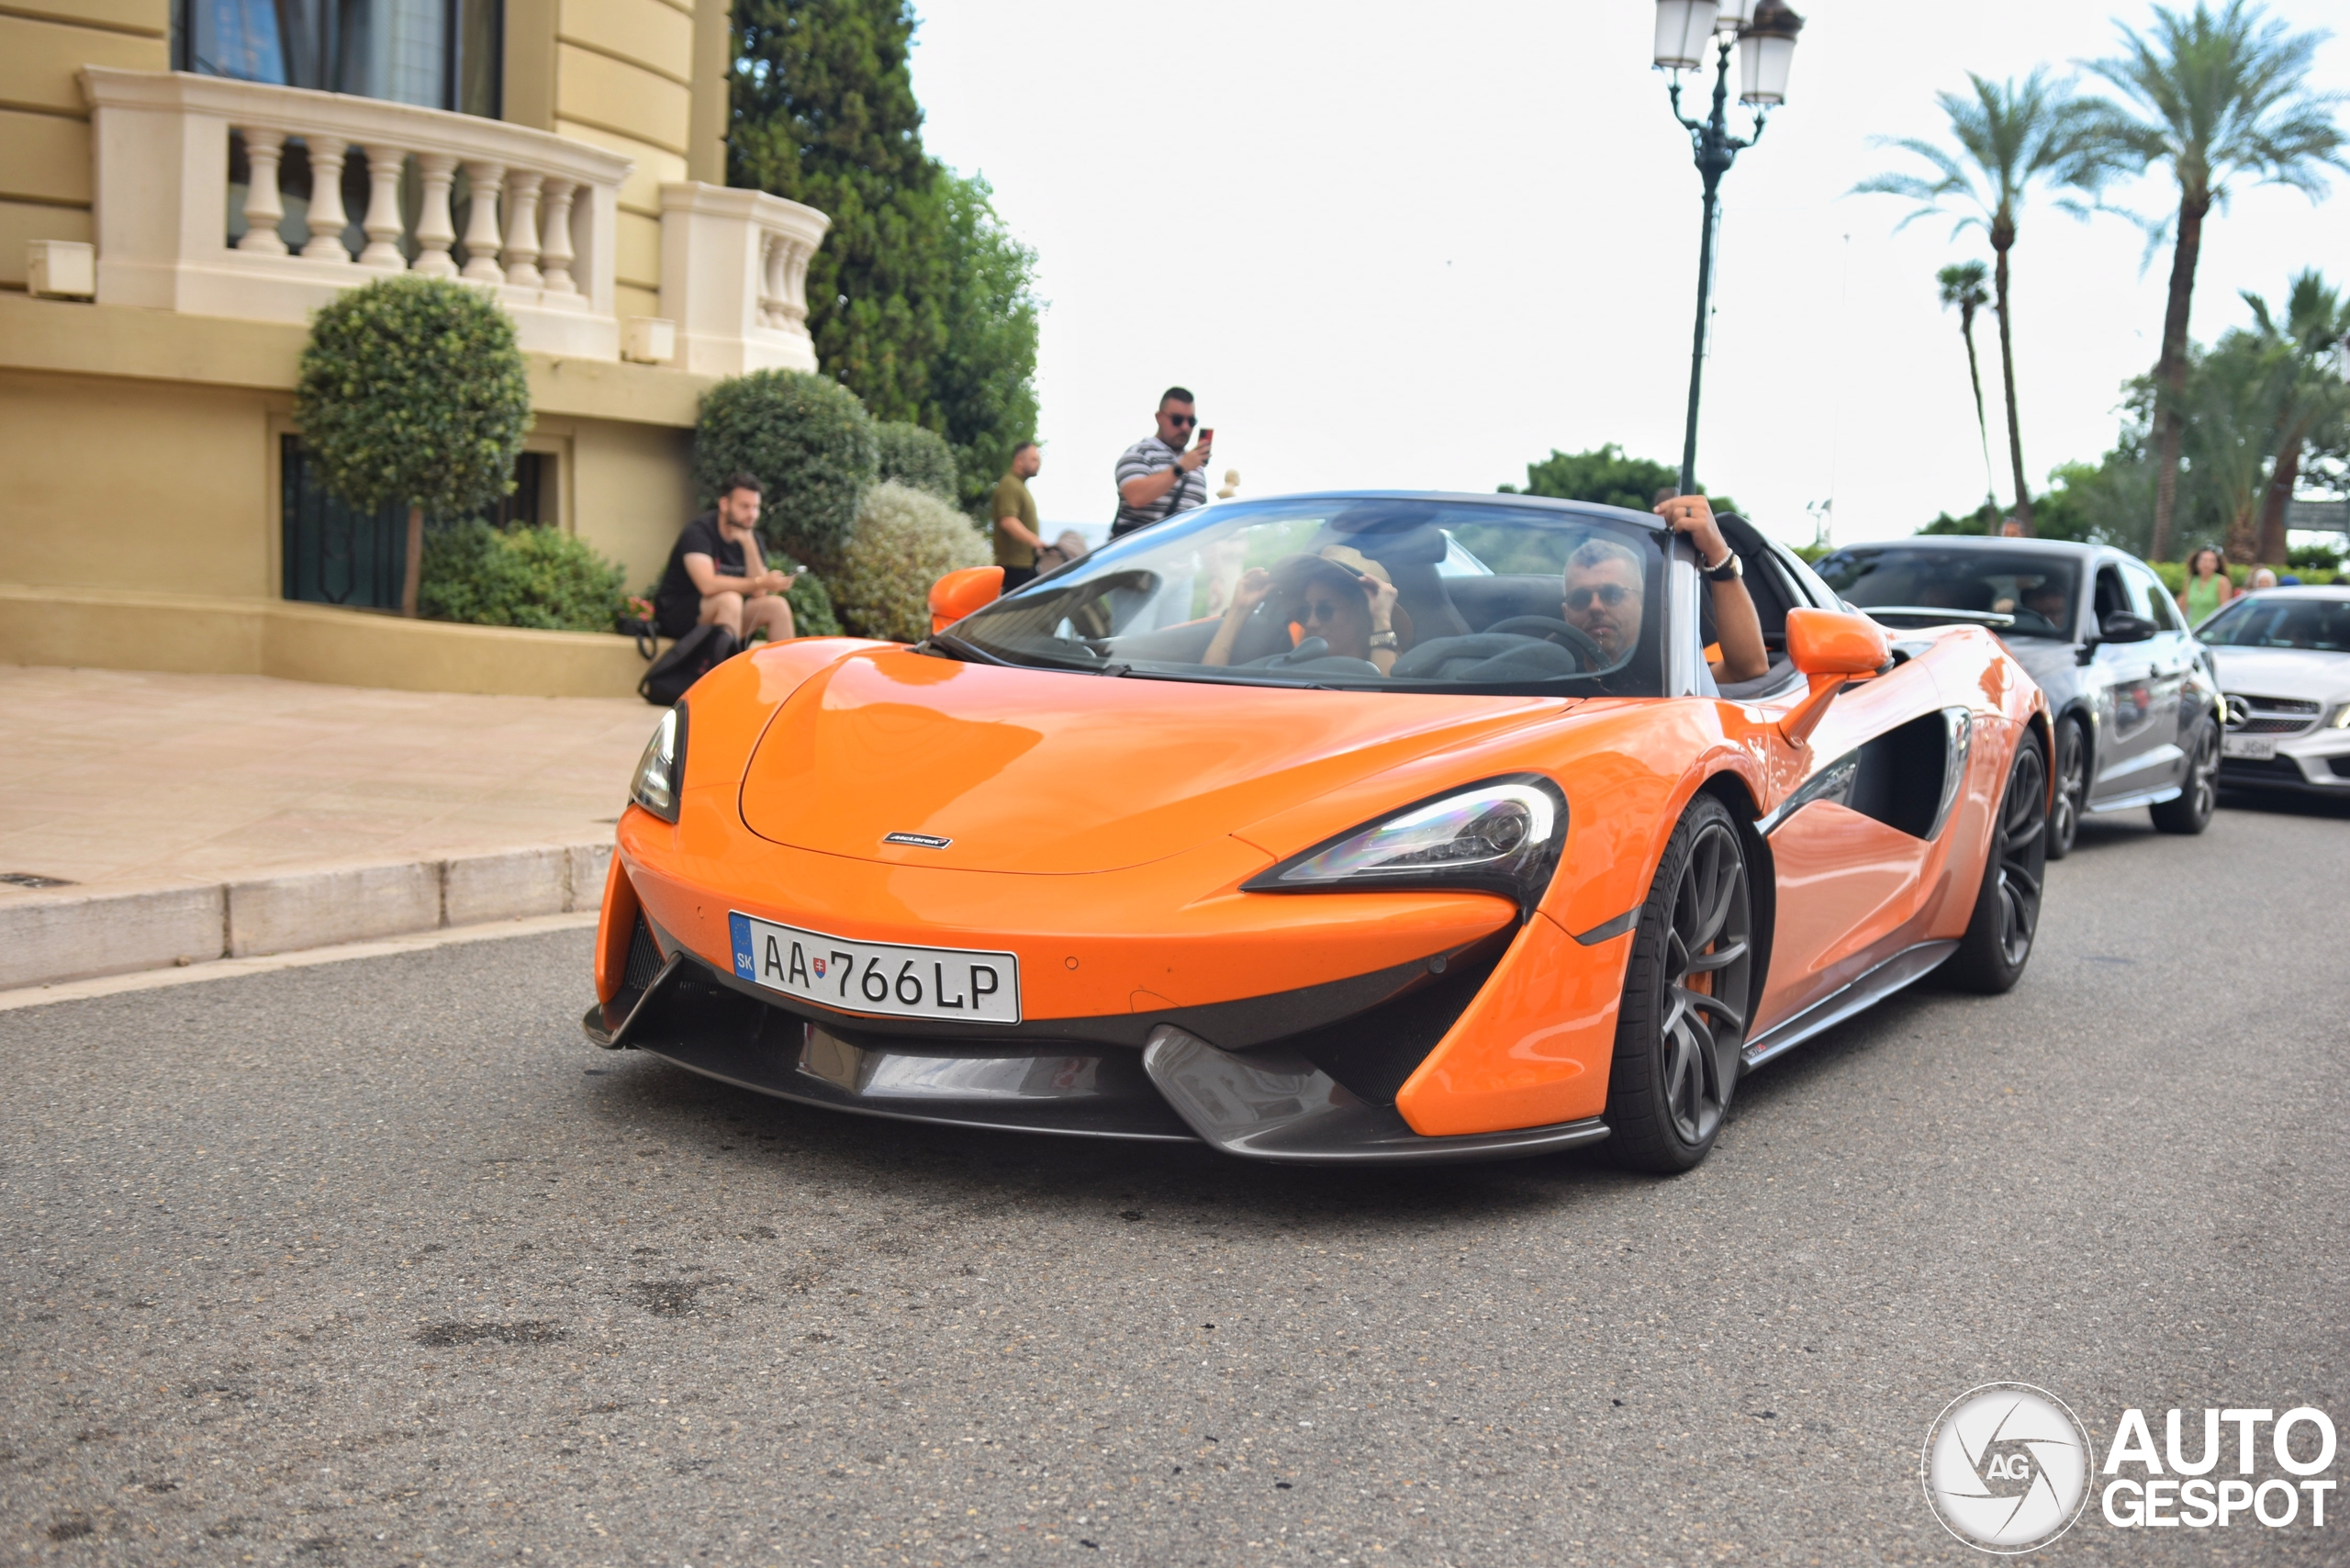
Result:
x=1829 y=647
x=2123 y=627
x=967 y=592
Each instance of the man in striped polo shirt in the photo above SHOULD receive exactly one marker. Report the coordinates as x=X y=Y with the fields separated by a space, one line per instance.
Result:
x=1157 y=478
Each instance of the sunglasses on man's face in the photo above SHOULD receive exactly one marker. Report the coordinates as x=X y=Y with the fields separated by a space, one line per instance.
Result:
x=1609 y=593
x=1182 y=421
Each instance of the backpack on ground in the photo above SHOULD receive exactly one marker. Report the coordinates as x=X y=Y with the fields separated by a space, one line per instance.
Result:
x=689 y=658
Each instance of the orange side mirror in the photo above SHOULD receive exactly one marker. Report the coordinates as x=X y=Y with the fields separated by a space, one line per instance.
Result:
x=1830 y=646
x=962 y=593
x=1835 y=642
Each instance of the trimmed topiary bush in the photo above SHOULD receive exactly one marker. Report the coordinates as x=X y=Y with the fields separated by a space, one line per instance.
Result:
x=915 y=457
x=539 y=577
x=413 y=393
x=809 y=442
x=904 y=541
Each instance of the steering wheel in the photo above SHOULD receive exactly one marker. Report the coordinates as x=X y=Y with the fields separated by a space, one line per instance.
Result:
x=1549 y=629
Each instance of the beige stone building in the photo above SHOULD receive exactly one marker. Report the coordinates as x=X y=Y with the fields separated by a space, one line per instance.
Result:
x=183 y=182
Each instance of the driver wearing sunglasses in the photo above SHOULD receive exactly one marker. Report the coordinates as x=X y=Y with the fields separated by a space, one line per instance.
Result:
x=1603 y=599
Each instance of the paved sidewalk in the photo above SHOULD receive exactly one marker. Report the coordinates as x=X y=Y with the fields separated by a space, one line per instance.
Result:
x=386 y=812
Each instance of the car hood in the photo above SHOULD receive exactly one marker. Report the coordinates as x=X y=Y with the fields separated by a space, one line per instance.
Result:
x=1045 y=772
x=2283 y=672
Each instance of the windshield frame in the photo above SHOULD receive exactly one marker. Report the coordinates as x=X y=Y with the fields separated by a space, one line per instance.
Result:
x=1653 y=669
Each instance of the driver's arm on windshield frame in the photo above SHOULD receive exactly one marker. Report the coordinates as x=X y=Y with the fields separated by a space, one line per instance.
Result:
x=1737 y=628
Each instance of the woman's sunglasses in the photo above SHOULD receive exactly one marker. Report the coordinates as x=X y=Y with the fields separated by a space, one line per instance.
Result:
x=1319 y=610
x=1609 y=593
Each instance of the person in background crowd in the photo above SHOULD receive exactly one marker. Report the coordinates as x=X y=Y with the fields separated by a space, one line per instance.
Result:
x=1156 y=477
x=1015 y=510
x=2291 y=579
x=2262 y=578
x=2207 y=586
x=716 y=576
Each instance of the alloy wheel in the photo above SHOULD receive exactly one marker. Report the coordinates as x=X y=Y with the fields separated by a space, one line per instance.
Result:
x=2072 y=789
x=1708 y=965
x=2203 y=776
x=2022 y=851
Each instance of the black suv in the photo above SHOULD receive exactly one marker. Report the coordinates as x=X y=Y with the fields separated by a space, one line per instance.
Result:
x=2135 y=697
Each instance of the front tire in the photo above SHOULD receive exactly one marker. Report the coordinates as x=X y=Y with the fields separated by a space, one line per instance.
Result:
x=2191 y=813
x=1998 y=943
x=2072 y=789
x=1686 y=998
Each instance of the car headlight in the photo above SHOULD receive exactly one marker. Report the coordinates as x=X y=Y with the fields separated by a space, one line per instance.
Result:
x=1501 y=836
x=661 y=771
x=2342 y=717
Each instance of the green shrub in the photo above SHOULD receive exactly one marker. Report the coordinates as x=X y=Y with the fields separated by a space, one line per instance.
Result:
x=412 y=392
x=809 y=442
x=539 y=577
x=812 y=607
x=904 y=541
x=915 y=457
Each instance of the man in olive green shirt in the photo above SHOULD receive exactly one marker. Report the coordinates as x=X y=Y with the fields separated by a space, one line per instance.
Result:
x=1015 y=510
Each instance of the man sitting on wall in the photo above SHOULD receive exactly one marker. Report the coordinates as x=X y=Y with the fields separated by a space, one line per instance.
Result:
x=716 y=576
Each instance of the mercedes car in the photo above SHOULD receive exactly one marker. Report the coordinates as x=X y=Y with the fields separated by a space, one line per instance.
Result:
x=2284 y=664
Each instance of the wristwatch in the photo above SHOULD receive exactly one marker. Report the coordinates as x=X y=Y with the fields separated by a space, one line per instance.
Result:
x=1384 y=640
x=1729 y=570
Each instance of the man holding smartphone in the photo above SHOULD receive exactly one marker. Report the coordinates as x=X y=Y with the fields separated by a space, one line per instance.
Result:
x=1156 y=477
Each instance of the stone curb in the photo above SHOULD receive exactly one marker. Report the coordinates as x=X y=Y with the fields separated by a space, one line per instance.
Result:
x=46 y=940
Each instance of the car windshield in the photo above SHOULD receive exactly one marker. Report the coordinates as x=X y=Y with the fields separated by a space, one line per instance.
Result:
x=2321 y=625
x=1387 y=593
x=2036 y=588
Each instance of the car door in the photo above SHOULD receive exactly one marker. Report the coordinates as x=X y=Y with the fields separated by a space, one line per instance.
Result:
x=1855 y=846
x=2176 y=663
x=2136 y=749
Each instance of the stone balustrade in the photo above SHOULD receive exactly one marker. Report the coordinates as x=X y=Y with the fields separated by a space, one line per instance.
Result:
x=540 y=209
x=734 y=275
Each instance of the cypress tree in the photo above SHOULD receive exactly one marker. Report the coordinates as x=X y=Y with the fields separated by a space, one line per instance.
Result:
x=919 y=301
x=824 y=114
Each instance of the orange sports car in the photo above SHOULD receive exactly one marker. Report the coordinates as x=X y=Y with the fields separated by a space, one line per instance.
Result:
x=1331 y=828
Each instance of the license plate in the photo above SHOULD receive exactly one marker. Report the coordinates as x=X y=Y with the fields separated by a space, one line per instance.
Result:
x=878 y=977
x=2256 y=748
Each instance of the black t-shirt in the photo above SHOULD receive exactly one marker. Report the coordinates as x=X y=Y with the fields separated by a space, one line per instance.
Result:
x=677 y=604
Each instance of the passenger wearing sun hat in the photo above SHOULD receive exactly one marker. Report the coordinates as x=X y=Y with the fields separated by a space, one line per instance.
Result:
x=1340 y=596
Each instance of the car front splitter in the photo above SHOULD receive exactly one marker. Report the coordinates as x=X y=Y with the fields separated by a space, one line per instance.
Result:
x=1263 y=1104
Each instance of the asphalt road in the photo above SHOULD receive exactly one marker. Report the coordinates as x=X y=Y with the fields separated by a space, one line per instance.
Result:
x=379 y=1262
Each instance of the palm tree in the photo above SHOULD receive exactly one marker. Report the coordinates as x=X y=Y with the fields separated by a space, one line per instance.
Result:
x=1962 y=284
x=2010 y=137
x=2310 y=398
x=2214 y=97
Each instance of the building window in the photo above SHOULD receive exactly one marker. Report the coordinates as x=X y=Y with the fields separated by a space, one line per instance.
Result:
x=441 y=54
x=338 y=555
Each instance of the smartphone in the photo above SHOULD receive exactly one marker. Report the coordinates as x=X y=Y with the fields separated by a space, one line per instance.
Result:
x=1207 y=435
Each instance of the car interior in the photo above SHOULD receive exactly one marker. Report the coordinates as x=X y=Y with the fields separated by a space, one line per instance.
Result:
x=1482 y=627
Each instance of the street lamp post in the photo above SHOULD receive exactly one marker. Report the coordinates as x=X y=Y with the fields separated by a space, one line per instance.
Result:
x=1764 y=32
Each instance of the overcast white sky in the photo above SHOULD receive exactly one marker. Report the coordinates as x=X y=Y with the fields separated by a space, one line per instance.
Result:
x=1418 y=247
